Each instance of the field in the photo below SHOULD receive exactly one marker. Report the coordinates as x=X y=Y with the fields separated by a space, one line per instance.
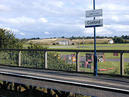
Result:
x=85 y=44
x=60 y=41
x=91 y=47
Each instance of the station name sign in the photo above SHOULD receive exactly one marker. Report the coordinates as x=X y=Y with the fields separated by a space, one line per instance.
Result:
x=94 y=13
x=94 y=23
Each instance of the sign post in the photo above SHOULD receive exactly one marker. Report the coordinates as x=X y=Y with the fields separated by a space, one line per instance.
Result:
x=94 y=23
x=95 y=56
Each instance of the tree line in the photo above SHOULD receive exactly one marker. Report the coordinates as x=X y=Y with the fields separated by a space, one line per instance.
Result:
x=116 y=39
x=122 y=39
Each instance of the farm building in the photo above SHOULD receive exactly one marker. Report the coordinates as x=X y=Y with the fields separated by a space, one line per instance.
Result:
x=63 y=42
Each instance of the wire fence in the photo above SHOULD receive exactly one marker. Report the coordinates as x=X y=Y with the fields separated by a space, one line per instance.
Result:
x=114 y=62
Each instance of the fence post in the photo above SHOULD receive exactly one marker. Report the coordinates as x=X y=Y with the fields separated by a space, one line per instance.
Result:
x=45 y=60
x=121 y=63
x=77 y=62
x=19 y=59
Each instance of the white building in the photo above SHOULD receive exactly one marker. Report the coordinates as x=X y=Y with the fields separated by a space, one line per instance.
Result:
x=63 y=42
x=110 y=41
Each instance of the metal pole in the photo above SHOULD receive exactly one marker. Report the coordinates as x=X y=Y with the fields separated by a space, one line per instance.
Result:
x=121 y=64
x=77 y=62
x=95 y=56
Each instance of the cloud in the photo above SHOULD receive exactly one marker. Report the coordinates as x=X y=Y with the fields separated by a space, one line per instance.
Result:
x=48 y=7
x=103 y=31
x=119 y=27
x=44 y=20
x=58 y=4
x=14 y=31
x=4 y=8
x=88 y=31
x=47 y=33
x=21 y=33
x=115 y=18
x=22 y=20
x=100 y=31
x=55 y=18
x=18 y=20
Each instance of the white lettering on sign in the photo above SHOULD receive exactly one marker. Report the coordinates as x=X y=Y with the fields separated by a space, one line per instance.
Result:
x=94 y=23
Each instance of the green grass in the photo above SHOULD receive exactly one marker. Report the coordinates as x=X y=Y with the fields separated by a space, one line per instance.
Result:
x=91 y=47
x=99 y=47
x=111 y=68
x=87 y=46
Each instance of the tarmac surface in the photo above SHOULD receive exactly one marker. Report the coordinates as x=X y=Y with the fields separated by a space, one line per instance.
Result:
x=104 y=82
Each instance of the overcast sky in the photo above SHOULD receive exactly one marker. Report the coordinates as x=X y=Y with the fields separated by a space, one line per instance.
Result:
x=56 y=18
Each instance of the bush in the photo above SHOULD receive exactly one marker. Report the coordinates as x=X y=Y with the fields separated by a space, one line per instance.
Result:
x=8 y=40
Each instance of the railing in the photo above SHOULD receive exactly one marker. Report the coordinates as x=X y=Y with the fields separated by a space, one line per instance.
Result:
x=68 y=60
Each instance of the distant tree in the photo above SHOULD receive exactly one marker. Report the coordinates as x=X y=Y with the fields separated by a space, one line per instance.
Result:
x=118 y=39
x=125 y=37
x=8 y=40
x=62 y=37
x=127 y=69
x=35 y=46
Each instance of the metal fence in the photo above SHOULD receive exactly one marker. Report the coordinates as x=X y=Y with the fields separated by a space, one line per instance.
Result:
x=115 y=62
